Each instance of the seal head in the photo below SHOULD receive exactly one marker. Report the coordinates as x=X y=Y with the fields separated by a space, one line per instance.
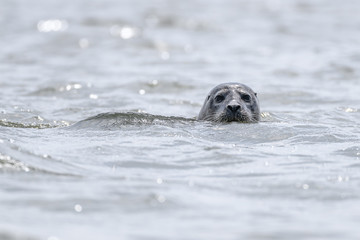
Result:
x=231 y=102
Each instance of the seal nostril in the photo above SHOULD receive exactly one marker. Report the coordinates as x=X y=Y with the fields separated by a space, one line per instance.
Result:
x=233 y=108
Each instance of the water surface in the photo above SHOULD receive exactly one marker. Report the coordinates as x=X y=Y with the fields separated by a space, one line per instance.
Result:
x=98 y=137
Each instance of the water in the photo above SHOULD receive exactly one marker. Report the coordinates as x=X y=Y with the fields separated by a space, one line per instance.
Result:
x=97 y=132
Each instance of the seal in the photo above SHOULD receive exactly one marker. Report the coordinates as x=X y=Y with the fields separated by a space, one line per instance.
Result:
x=231 y=102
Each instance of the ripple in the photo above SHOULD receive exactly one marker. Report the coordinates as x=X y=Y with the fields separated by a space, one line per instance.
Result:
x=148 y=165
x=353 y=151
x=155 y=19
x=6 y=162
x=270 y=117
x=10 y=155
x=349 y=109
x=59 y=89
x=6 y=123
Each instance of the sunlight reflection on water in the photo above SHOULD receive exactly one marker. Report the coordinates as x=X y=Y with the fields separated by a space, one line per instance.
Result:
x=52 y=25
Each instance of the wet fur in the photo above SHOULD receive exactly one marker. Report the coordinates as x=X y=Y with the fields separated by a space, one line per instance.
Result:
x=219 y=112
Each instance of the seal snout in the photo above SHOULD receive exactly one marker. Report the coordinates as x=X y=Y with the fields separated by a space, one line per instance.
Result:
x=233 y=107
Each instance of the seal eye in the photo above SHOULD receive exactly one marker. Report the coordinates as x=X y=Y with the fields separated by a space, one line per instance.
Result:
x=219 y=98
x=246 y=97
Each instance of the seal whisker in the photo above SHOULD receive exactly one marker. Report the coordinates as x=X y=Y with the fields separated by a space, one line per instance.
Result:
x=229 y=102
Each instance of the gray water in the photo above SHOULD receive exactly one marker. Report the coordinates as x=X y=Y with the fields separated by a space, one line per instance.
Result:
x=98 y=138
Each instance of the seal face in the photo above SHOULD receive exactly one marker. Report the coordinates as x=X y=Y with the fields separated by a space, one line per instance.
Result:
x=230 y=102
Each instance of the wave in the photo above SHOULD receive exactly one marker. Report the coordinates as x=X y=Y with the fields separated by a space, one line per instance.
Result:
x=16 y=158
x=6 y=123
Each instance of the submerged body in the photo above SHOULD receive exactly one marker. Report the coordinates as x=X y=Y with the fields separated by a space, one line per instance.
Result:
x=230 y=102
